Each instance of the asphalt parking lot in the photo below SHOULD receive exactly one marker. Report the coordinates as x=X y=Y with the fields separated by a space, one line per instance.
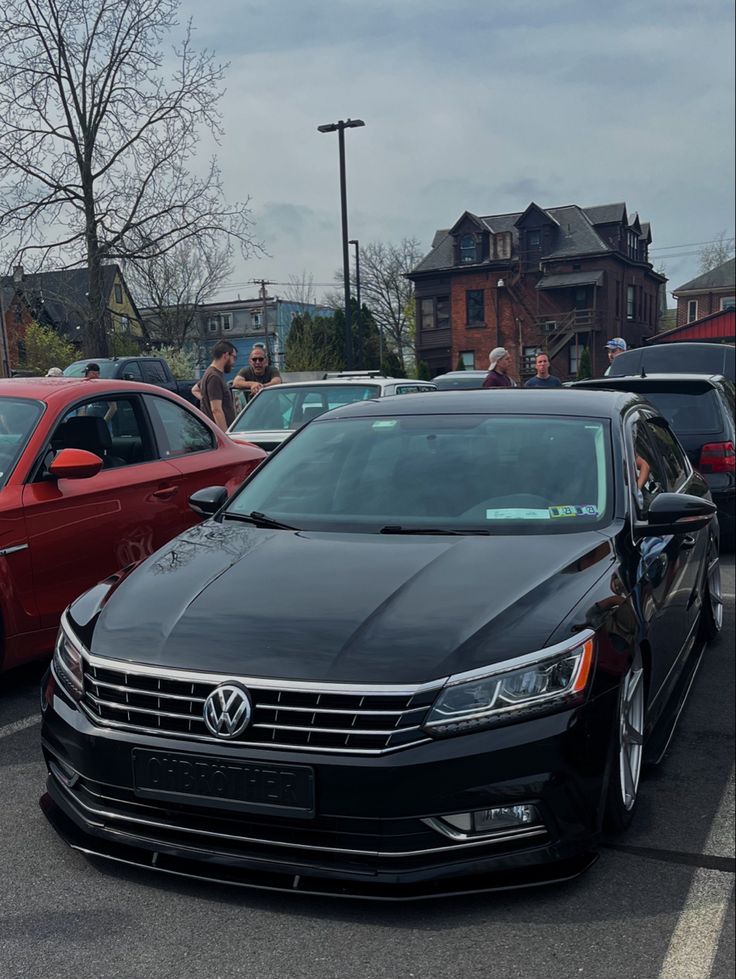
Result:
x=657 y=905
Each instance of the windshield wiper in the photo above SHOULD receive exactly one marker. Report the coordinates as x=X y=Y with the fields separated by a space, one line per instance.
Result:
x=259 y=519
x=432 y=531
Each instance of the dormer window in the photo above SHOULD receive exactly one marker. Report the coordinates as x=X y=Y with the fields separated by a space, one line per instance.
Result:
x=467 y=249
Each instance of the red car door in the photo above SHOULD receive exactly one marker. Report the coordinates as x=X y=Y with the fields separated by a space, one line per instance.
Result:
x=82 y=530
x=201 y=453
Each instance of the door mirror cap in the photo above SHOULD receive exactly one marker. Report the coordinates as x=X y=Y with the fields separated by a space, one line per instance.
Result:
x=75 y=464
x=207 y=501
x=676 y=513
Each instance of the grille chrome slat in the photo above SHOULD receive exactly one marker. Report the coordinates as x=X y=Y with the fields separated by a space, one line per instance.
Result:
x=296 y=716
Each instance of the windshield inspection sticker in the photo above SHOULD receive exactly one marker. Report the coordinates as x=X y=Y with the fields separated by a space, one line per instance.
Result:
x=517 y=513
x=386 y=423
x=588 y=510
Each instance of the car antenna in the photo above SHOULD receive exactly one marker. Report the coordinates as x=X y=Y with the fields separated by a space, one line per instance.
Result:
x=643 y=372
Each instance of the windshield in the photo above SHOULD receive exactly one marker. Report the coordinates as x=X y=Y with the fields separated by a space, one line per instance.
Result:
x=18 y=418
x=282 y=409
x=454 y=473
x=107 y=368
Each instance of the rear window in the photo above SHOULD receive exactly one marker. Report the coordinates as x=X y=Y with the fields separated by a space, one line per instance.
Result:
x=283 y=409
x=107 y=368
x=688 y=411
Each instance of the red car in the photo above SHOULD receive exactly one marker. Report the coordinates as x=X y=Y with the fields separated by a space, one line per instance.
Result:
x=94 y=475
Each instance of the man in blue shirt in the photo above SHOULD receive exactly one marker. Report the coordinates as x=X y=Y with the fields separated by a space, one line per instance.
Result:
x=543 y=378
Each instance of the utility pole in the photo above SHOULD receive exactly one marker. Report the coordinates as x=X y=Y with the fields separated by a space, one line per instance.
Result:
x=264 y=308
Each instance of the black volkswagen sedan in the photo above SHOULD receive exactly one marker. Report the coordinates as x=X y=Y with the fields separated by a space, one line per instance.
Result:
x=425 y=649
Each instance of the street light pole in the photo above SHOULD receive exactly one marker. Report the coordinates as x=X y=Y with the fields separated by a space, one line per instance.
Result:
x=340 y=128
x=359 y=323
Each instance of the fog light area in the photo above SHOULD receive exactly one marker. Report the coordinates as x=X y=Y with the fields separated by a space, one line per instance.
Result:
x=487 y=822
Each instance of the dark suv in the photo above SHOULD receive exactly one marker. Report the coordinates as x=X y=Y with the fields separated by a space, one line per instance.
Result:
x=700 y=409
x=676 y=358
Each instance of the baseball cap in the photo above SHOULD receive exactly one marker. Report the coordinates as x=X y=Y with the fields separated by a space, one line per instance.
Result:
x=92 y=367
x=616 y=343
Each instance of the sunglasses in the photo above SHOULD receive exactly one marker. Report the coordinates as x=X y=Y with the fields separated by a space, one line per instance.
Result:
x=258 y=360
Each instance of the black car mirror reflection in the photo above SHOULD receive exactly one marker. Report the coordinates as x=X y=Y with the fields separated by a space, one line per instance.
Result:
x=207 y=501
x=676 y=513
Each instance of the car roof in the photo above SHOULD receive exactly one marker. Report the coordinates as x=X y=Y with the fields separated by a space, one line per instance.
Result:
x=621 y=381
x=565 y=401
x=467 y=373
x=348 y=382
x=51 y=389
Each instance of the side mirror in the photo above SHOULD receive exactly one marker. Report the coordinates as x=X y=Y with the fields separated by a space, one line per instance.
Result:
x=676 y=513
x=207 y=501
x=75 y=464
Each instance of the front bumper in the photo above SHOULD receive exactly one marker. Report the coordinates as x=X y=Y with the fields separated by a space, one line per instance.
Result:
x=367 y=838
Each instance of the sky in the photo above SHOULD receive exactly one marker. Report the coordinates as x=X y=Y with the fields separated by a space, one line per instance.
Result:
x=470 y=105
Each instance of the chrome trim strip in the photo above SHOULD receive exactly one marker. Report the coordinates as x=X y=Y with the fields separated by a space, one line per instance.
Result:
x=437 y=824
x=262 y=683
x=509 y=665
x=13 y=549
x=338 y=730
x=261 y=745
x=105 y=814
x=132 y=709
x=159 y=694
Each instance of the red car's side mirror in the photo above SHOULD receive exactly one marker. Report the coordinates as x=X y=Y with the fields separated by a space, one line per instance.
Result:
x=75 y=464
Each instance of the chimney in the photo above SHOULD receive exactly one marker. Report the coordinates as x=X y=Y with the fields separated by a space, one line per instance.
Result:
x=17 y=275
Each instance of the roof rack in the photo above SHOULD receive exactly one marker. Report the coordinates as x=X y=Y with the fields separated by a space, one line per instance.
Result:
x=332 y=374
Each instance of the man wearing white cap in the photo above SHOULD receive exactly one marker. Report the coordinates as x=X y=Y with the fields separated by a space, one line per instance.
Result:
x=615 y=346
x=500 y=363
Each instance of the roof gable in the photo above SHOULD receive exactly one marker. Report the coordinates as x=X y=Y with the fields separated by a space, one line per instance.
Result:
x=721 y=277
x=467 y=222
x=535 y=211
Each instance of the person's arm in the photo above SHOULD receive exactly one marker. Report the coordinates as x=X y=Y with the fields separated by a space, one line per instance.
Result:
x=218 y=415
x=276 y=379
x=111 y=410
x=644 y=470
x=197 y=391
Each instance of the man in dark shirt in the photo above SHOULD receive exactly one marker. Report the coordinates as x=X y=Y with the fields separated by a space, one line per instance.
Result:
x=258 y=374
x=499 y=361
x=217 y=401
x=543 y=378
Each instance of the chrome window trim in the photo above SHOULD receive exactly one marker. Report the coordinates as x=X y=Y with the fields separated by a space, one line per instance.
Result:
x=102 y=815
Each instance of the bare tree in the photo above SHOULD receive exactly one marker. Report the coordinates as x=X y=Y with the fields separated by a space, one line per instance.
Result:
x=386 y=291
x=716 y=253
x=174 y=285
x=301 y=292
x=95 y=146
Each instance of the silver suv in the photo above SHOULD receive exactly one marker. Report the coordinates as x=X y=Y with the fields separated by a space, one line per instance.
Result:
x=275 y=412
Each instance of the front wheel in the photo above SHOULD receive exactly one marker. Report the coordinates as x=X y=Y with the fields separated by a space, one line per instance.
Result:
x=623 y=787
x=711 y=615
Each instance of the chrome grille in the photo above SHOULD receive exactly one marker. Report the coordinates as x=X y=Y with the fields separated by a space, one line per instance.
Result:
x=300 y=716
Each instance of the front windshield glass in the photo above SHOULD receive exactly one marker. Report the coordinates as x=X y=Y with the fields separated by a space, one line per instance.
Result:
x=282 y=409
x=454 y=473
x=107 y=368
x=18 y=418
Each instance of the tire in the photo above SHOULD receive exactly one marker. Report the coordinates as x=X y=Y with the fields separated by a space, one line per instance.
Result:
x=711 y=614
x=628 y=750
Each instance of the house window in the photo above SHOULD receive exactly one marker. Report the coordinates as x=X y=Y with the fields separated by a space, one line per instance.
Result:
x=443 y=313
x=118 y=289
x=256 y=320
x=474 y=308
x=467 y=249
x=728 y=302
x=426 y=310
x=692 y=310
x=573 y=359
x=528 y=365
x=630 y=302
x=219 y=322
x=534 y=239
x=467 y=358
x=226 y=322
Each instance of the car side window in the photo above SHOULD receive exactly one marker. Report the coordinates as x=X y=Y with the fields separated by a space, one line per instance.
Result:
x=179 y=431
x=648 y=476
x=132 y=372
x=112 y=428
x=153 y=372
x=675 y=468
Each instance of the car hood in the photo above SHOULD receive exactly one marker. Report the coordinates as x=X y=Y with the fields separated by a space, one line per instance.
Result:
x=235 y=599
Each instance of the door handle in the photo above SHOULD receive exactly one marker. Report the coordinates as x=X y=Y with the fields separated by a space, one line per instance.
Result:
x=165 y=492
x=688 y=541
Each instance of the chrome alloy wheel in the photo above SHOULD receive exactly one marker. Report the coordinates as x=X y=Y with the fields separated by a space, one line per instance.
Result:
x=715 y=593
x=631 y=733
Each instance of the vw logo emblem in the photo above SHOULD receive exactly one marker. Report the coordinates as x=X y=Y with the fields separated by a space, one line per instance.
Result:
x=227 y=711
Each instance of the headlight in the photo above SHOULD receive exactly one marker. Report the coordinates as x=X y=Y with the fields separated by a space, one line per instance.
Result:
x=538 y=683
x=68 y=662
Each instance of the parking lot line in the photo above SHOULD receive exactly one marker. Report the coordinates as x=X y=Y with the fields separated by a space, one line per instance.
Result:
x=694 y=943
x=21 y=725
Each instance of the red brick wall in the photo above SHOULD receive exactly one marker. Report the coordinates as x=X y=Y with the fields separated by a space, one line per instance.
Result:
x=708 y=302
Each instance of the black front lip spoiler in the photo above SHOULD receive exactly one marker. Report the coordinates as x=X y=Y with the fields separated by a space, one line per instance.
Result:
x=212 y=873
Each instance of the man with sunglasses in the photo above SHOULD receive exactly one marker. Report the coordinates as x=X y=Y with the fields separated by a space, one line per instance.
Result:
x=258 y=374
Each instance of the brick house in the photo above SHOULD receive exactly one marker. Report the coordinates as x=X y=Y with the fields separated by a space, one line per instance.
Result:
x=708 y=293
x=556 y=279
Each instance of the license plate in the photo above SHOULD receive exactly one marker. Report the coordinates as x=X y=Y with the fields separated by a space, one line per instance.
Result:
x=224 y=783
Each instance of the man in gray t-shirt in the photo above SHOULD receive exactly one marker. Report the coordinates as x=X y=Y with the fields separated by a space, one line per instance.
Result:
x=217 y=401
